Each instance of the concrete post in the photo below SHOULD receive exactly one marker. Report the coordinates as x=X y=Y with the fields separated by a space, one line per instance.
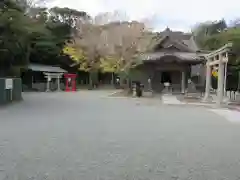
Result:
x=220 y=81
x=225 y=80
x=48 y=83
x=149 y=84
x=225 y=76
x=208 y=82
x=32 y=78
x=183 y=82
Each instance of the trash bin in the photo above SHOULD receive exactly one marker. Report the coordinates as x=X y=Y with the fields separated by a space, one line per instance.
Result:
x=138 y=89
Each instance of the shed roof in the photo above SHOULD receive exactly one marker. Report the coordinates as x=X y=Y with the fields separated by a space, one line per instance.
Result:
x=45 y=68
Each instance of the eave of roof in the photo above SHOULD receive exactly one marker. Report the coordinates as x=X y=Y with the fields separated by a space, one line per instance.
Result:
x=182 y=56
x=45 y=68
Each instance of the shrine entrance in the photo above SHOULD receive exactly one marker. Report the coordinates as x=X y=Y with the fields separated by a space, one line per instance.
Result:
x=217 y=58
x=70 y=82
x=50 y=77
x=166 y=77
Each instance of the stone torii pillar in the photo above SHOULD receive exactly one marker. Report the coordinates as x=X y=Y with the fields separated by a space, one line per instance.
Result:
x=49 y=78
x=221 y=75
x=58 y=81
x=220 y=58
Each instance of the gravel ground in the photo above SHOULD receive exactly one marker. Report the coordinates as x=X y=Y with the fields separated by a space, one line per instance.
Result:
x=86 y=136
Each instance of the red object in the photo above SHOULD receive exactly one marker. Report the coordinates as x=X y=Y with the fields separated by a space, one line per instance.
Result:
x=70 y=85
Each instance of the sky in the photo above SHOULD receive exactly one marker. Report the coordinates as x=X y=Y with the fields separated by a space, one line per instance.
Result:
x=176 y=14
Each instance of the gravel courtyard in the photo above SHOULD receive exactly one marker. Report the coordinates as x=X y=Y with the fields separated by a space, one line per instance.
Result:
x=89 y=136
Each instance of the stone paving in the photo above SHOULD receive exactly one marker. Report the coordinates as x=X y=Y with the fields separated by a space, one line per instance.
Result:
x=84 y=135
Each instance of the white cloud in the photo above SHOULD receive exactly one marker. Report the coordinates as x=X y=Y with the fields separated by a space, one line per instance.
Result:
x=178 y=15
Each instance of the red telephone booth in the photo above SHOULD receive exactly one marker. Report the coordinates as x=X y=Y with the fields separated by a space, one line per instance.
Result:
x=70 y=82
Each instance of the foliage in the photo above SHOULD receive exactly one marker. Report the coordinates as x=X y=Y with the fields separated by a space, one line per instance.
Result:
x=77 y=55
x=29 y=33
x=17 y=36
x=68 y=16
x=110 y=64
x=217 y=39
x=207 y=29
x=213 y=35
x=111 y=47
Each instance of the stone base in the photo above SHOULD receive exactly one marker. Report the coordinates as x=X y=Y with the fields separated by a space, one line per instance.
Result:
x=194 y=95
x=237 y=98
x=167 y=90
x=147 y=93
x=134 y=93
x=226 y=100
x=167 y=94
x=207 y=99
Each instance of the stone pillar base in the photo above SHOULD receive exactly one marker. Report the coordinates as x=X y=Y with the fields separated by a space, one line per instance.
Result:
x=148 y=93
x=207 y=99
x=226 y=100
x=134 y=93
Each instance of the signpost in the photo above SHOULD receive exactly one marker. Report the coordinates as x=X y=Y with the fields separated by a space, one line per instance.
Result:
x=9 y=86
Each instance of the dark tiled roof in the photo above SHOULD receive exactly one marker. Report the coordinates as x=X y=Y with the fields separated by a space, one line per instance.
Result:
x=189 y=51
x=182 y=38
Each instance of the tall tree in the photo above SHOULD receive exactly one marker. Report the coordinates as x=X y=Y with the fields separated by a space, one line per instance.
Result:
x=126 y=40
x=110 y=17
x=121 y=40
x=207 y=29
x=16 y=35
x=110 y=47
x=29 y=33
x=68 y=16
x=60 y=23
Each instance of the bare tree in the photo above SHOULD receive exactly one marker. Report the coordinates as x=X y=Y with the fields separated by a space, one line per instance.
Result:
x=112 y=47
x=126 y=40
x=123 y=40
x=109 y=17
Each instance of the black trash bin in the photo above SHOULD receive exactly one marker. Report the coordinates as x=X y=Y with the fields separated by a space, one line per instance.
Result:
x=138 y=89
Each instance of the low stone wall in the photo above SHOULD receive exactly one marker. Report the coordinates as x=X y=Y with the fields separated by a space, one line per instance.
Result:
x=9 y=95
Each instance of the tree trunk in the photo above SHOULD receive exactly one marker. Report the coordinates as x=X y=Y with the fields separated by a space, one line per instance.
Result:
x=90 y=79
x=112 y=81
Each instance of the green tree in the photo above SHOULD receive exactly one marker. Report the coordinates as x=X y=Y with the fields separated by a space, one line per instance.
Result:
x=111 y=48
x=217 y=40
x=28 y=33
x=204 y=30
x=17 y=32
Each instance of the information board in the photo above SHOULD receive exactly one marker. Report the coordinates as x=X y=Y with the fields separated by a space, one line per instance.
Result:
x=8 y=84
